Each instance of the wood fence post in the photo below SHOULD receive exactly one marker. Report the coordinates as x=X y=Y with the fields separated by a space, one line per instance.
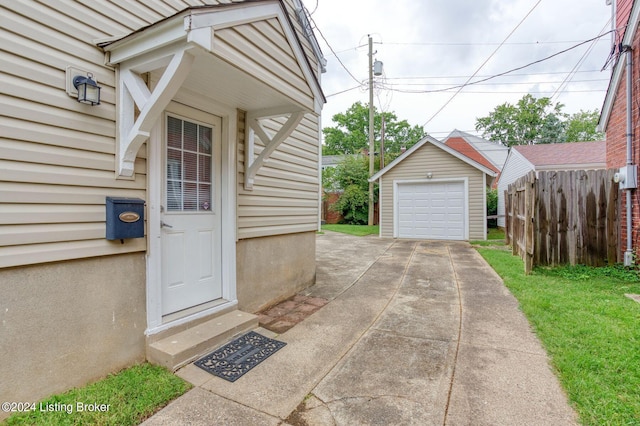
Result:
x=529 y=202
x=515 y=201
x=507 y=217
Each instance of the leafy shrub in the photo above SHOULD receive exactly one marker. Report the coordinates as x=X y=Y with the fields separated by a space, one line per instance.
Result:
x=492 y=206
x=353 y=205
x=351 y=175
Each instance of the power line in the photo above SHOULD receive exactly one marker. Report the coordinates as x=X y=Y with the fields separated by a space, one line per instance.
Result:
x=314 y=9
x=344 y=91
x=461 y=86
x=535 y=92
x=509 y=73
x=570 y=75
x=524 y=43
x=463 y=44
x=390 y=86
x=432 y=77
x=512 y=83
x=331 y=48
x=483 y=64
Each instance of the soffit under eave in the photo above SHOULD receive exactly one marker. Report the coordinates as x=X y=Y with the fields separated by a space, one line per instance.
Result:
x=182 y=50
x=197 y=27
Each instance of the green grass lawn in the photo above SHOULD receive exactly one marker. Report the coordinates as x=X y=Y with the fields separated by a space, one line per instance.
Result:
x=357 y=230
x=495 y=234
x=126 y=398
x=495 y=237
x=589 y=328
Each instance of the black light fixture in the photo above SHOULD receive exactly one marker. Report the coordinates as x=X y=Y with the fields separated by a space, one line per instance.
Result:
x=88 y=89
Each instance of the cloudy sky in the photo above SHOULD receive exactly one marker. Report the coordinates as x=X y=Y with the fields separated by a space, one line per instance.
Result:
x=431 y=45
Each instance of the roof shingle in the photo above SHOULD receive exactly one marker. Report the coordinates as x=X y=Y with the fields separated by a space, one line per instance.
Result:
x=562 y=154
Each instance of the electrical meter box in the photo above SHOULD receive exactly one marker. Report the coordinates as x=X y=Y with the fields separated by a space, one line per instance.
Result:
x=125 y=218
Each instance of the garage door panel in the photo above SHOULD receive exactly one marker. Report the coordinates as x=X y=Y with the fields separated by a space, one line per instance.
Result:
x=407 y=203
x=433 y=210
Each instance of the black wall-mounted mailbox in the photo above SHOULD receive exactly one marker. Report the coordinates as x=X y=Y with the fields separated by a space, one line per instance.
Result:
x=125 y=218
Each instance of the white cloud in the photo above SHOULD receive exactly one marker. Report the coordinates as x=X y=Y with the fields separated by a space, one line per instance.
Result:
x=441 y=39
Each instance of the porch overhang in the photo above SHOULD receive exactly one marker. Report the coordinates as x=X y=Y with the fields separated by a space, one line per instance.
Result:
x=185 y=51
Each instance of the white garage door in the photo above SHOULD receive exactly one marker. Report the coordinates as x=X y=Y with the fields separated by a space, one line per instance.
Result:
x=434 y=210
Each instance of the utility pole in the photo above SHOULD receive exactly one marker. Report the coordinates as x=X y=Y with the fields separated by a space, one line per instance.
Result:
x=382 y=140
x=371 y=145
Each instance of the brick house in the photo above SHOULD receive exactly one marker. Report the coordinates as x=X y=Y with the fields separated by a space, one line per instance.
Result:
x=613 y=119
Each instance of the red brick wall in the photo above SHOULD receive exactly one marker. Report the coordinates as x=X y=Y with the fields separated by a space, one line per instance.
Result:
x=623 y=11
x=328 y=215
x=616 y=140
x=331 y=217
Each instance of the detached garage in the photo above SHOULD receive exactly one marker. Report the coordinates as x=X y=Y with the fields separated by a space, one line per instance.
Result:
x=433 y=192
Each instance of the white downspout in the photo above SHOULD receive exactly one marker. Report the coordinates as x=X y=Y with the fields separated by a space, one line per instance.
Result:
x=628 y=255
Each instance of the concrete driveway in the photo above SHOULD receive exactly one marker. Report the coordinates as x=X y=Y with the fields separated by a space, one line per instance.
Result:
x=416 y=332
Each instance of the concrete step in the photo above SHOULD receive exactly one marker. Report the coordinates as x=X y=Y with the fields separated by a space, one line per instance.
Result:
x=179 y=349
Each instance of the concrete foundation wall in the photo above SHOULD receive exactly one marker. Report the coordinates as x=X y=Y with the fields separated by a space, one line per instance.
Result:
x=272 y=269
x=65 y=324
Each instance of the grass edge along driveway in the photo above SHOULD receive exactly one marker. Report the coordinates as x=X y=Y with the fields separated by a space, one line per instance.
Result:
x=357 y=230
x=590 y=330
x=125 y=398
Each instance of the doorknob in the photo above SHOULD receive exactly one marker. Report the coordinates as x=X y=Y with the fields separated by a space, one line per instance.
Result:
x=165 y=225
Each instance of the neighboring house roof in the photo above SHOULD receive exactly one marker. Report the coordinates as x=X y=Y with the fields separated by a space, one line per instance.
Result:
x=551 y=157
x=333 y=160
x=490 y=154
x=438 y=144
x=568 y=155
x=618 y=70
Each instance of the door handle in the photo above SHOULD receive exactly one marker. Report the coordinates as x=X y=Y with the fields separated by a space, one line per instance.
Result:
x=165 y=225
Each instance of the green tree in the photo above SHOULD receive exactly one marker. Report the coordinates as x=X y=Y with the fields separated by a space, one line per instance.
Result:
x=351 y=176
x=581 y=127
x=329 y=180
x=353 y=170
x=531 y=121
x=350 y=137
x=351 y=133
x=492 y=206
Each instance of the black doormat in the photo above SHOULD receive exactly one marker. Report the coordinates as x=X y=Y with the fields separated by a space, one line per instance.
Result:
x=234 y=359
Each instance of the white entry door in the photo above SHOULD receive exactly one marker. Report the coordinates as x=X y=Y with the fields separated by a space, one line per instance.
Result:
x=191 y=212
x=431 y=210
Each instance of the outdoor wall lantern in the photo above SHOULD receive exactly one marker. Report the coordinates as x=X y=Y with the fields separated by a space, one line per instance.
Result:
x=88 y=89
x=429 y=175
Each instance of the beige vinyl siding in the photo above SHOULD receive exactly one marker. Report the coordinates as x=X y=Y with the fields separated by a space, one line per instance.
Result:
x=57 y=156
x=263 y=49
x=442 y=165
x=284 y=198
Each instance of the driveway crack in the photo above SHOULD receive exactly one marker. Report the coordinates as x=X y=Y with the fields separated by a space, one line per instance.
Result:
x=455 y=357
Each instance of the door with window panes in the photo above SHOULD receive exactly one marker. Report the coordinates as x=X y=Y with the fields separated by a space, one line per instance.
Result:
x=190 y=212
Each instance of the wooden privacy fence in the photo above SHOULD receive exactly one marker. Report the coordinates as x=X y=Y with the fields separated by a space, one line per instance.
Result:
x=566 y=217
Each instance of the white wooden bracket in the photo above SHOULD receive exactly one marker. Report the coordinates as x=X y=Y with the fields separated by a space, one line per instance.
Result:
x=252 y=164
x=133 y=91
